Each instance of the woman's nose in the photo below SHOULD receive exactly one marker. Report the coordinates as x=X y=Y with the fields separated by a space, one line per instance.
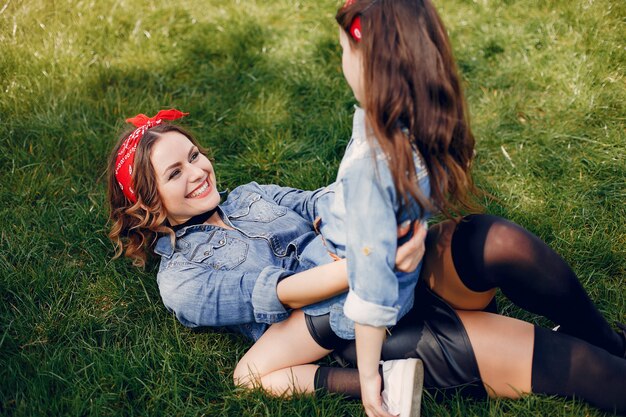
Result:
x=195 y=173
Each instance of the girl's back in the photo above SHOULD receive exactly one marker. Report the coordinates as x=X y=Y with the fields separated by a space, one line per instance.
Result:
x=358 y=219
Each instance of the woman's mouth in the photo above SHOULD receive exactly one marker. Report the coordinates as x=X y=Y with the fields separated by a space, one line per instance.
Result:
x=202 y=191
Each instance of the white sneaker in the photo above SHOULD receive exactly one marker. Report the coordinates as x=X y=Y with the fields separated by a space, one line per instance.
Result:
x=403 y=380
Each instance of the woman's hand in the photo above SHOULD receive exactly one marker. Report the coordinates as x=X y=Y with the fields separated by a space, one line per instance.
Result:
x=410 y=254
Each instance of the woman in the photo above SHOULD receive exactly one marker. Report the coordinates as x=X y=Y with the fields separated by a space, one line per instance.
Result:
x=245 y=242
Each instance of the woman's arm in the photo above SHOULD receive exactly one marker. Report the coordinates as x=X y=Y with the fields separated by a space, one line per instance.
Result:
x=326 y=281
x=201 y=296
x=313 y=285
x=301 y=201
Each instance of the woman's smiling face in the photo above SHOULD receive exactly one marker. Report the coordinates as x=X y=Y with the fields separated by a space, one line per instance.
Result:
x=185 y=178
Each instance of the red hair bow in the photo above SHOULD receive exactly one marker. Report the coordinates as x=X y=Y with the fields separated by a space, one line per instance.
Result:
x=126 y=154
x=142 y=120
x=355 y=26
x=355 y=29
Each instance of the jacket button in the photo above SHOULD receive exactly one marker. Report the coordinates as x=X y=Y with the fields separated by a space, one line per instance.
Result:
x=222 y=242
x=206 y=253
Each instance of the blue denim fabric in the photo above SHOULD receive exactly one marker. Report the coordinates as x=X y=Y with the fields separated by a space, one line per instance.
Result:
x=213 y=276
x=359 y=222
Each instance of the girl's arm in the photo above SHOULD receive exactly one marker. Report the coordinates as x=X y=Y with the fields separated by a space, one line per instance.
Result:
x=326 y=281
x=369 y=342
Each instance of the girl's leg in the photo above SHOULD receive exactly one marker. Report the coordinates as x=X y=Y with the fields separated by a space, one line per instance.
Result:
x=515 y=357
x=464 y=264
x=280 y=360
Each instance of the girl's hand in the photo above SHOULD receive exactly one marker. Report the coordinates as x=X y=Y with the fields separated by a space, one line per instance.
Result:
x=369 y=342
x=370 y=395
x=409 y=255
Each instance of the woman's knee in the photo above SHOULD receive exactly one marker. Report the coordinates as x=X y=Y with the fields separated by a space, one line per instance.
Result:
x=437 y=254
x=245 y=375
x=440 y=272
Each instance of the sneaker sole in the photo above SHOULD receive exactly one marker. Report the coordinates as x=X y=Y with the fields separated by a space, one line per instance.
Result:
x=416 y=389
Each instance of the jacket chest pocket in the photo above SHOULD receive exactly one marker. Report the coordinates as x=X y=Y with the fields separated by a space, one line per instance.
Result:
x=221 y=252
x=254 y=209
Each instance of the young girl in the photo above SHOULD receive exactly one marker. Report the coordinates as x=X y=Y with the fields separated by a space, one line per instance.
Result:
x=410 y=152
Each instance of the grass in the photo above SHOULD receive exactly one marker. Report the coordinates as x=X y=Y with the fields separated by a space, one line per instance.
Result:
x=83 y=335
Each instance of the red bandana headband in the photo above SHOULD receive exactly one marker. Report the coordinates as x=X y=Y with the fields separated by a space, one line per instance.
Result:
x=126 y=154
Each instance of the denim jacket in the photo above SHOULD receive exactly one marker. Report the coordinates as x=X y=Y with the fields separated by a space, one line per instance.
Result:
x=359 y=222
x=213 y=276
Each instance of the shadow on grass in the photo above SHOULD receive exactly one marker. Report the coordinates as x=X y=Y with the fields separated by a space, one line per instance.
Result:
x=251 y=109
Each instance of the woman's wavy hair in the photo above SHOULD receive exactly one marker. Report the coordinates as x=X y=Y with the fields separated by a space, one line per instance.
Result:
x=135 y=226
x=411 y=82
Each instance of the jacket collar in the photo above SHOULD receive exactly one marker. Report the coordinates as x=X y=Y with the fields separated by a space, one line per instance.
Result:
x=165 y=246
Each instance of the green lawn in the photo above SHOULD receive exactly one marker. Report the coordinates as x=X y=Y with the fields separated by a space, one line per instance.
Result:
x=83 y=335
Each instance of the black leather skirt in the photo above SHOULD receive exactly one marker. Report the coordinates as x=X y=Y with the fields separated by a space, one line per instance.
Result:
x=432 y=332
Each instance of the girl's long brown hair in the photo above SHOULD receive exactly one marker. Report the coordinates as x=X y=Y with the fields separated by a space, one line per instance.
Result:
x=135 y=226
x=411 y=82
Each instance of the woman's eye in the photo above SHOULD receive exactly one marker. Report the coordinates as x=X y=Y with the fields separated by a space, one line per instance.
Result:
x=174 y=174
x=195 y=156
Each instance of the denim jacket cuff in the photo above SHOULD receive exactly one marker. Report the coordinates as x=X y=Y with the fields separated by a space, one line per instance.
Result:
x=368 y=313
x=267 y=307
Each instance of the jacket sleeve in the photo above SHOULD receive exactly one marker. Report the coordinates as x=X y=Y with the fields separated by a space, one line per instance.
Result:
x=301 y=201
x=371 y=238
x=201 y=296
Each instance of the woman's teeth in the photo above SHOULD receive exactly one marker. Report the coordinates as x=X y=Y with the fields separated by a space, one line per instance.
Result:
x=199 y=191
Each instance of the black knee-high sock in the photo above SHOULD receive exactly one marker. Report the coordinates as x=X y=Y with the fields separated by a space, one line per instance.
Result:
x=567 y=366
x=340 y=380
x=490 y=252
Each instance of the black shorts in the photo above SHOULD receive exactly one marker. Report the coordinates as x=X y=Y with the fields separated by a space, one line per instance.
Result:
x=432 y=332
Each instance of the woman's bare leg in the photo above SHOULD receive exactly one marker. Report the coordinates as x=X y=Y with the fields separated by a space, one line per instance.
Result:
x=280 y=360
x=439 y=272
x=503 y=347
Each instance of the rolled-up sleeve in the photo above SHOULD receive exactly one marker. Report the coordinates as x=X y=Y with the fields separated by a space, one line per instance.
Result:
x=201 y=296
x=371 y=239
x=267 y=307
